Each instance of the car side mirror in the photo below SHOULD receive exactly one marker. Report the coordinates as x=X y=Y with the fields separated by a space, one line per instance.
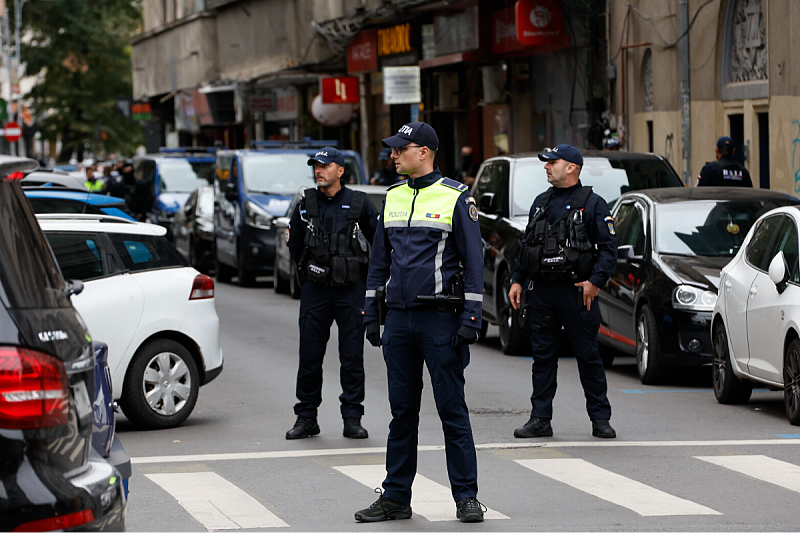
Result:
x=74 y=286
x=231 y=193
x=488 y=203
x=779 y=272
x=627 y=253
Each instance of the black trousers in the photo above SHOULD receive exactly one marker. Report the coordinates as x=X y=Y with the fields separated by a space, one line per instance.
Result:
x=320 y=306
x=554 y=306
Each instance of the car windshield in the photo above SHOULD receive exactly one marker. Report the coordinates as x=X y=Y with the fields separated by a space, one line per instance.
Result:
x=609 y=179
x=181 y=175
x=711 y=228
x=277 y=173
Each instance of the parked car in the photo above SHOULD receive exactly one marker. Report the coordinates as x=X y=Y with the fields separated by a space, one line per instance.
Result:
x=756 y=321
x=170 y=177
x=193 y=229
x=52 y=476
x=504 y=190
x=672 y=245
x=251 y=188
x=57 y=200
x=156 y=313
x=58 y=179
x=285 y=279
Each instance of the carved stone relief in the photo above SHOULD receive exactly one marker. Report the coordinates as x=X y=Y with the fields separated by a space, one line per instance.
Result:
x=749 y=53
x=647 y=80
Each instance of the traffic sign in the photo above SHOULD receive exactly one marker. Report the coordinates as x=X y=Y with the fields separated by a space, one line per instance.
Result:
x=12 y=132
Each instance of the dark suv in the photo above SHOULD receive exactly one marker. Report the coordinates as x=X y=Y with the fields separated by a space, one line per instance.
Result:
x=50 y=474
x=504 y=190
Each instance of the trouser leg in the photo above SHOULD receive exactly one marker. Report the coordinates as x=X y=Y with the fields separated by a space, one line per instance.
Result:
x=351 y=352
x=316 y=318
x=545 y=329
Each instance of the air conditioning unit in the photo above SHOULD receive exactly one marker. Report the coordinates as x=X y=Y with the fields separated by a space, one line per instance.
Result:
x=494 y=84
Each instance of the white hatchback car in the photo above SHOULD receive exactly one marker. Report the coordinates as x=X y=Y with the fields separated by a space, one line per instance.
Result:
x=756 y=322
x=155 y=312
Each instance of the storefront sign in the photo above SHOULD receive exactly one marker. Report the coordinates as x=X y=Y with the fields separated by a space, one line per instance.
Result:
x=339 y=90
x=504 y=32
x=141 y=111
x=362 y=52
x=286 y=105
x=401 y=85
x=394 y=40
x=539 y=22
x=263 y=101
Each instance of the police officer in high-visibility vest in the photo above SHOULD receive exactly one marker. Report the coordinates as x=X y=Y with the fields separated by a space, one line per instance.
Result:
x=724 y=172
x=329 y=235
x=569 y=251
x=427 y=254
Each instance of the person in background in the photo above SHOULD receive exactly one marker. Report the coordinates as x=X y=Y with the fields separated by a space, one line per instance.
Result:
x=468 y=169
x=724 y=172
x=92 y=183
x=386 y=175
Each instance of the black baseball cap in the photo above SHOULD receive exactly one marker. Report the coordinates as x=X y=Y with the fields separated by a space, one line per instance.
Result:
x=567 y=152
x=419 y=132
x=327 y=155
x=725 y=145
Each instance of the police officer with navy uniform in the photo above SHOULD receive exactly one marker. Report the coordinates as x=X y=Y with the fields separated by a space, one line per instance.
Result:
x=427 y=254
x=724 y=172
x=329 y=236
x=569 y=252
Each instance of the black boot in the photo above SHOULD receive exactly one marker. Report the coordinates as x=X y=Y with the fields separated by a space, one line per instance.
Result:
x=534 y=427
x=353 y=429
x=304 y=427
x=602 y=429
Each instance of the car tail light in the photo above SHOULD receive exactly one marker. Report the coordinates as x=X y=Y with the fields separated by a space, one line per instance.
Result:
x=15 y=176
x=202 y=288
x=57 y=523
x=33 y=389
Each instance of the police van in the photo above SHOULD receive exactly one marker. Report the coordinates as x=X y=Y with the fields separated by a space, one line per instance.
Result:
x=254 y=186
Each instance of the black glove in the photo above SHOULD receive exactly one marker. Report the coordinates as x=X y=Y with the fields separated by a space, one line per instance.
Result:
x=374 y=334
x=466 y=335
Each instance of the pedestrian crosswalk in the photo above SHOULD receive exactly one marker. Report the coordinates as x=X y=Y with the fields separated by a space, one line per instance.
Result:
x=218 y=504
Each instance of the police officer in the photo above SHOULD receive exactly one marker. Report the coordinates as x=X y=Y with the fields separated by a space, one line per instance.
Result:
x=724 y=172
x=428 y=249
x=569 y=252
x=328 y=237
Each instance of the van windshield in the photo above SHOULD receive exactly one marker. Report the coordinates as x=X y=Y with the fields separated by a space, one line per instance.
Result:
x=277 y=173
x=180 y=175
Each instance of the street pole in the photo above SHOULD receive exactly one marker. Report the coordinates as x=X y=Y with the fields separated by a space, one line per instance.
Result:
x=686 y=126
x=18 y=5
x=7 y=48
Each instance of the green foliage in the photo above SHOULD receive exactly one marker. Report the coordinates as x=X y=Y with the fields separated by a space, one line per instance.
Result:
x=80 y=50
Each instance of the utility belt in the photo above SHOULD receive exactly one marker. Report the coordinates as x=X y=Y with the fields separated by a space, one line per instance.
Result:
x=452 y=299
x=559 y=252
x=339 y=272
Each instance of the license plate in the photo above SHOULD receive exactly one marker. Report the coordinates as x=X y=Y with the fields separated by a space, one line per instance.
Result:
x=82 y=402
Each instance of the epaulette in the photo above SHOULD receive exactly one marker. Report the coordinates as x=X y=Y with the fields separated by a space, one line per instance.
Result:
x=395 y=185
x=453 y=184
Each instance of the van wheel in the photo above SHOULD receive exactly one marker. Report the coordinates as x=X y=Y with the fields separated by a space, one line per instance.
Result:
x=280 y=284
x=246 y=277
x=161 y=385
x=728 y=389
x=791 y=382
x=513 y=340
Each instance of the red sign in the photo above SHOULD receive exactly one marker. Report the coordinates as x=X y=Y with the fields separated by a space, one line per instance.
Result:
x=12 y=132
x=539 y=22
x=339 y=90
x=362 y=52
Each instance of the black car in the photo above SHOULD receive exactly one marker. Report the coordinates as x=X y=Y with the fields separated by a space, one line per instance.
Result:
x=504 y=191
x=193 y=229
x=51 y=477
x=673 y=244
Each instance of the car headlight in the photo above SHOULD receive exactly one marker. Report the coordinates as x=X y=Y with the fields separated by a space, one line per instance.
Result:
x=257 y=217
x=693 y=298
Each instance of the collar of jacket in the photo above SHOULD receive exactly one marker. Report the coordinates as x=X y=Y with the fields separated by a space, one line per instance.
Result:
x=561 y=190
x=322 y=196
x=426 y=180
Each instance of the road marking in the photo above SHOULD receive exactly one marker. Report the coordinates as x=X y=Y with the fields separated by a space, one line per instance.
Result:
x=638 y=497
x=428 y=498
x=215 y=502
x=761 y=467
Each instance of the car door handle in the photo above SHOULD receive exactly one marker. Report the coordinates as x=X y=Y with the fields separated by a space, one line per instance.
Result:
x=728 y=285
x=753 y=291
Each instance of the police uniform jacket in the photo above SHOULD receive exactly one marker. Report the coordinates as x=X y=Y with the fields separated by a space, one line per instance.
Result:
x=332 y=216
x=427 y=232
x=724 y=172
x=601 y=231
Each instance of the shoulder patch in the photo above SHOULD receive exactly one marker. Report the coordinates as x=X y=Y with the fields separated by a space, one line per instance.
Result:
x=453 y=184
x=473 y=212
x=287 y=234
x=469 y=200
x=609 y=220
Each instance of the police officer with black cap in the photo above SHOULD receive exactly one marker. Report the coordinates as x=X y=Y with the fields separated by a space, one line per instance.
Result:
x=427 y=254
x=329 y=236
x=724 y=172
x=569 y=252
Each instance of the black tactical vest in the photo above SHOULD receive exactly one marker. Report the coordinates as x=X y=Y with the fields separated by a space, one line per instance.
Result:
x=337 y=259
x=562 y=251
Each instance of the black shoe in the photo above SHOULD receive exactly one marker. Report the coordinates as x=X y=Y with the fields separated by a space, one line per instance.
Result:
x=535 y=427
x=304 y=427
x=384 y=509
x=469 y=510
x=353 y=429
x=603 y=430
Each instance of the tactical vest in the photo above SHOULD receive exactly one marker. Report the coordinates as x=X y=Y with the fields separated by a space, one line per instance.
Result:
x=562 y=251
x=338 y=259
x=730 y=172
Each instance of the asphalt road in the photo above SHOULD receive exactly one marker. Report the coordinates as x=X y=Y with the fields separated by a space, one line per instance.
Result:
x=681 y=461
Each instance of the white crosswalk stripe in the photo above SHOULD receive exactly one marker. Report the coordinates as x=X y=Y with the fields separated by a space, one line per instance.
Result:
x=216 y=502
x=428 y=498
x=638 y=497
x=761 y=467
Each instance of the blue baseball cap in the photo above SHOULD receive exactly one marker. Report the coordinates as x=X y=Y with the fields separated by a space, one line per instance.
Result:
x=419 y=132
x=567 y=152
x=725 y=144
x=327 y=155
